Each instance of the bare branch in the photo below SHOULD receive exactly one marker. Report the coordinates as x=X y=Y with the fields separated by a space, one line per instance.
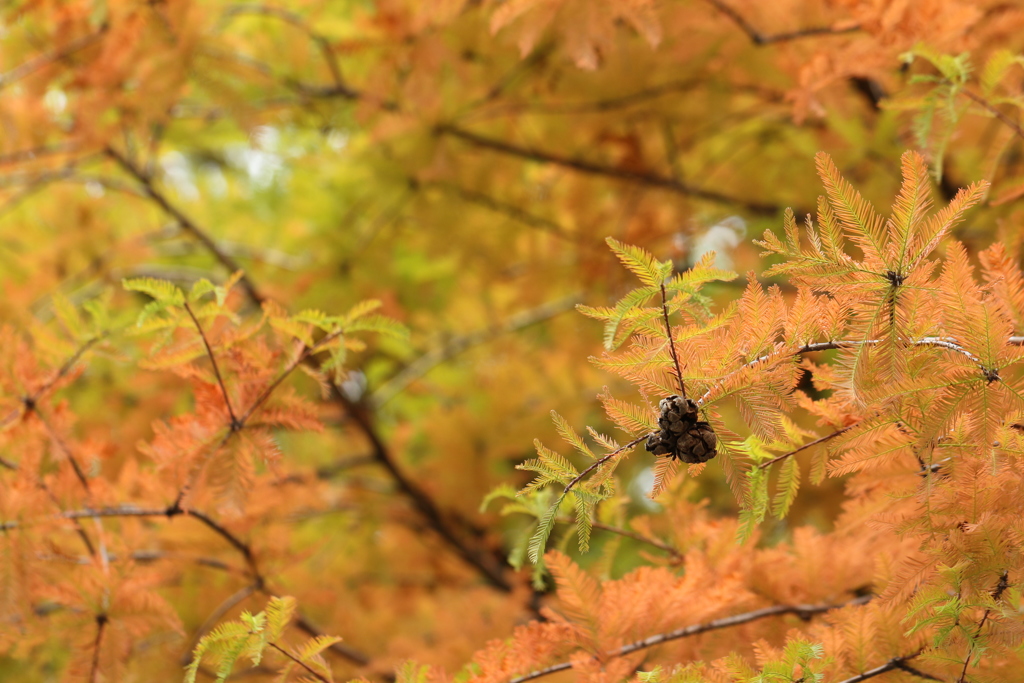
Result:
x=301 y=663
x=340 y=649
x=827 y=437
x=101 y=624
x=41 y=61
x=216 y=615
x=997 y=593
x=600 y=461
x=431 y=359
x=759 y=38
x=186 y=223
x=893 y=664
x=671 y=341
x=30 y=401
x=803 y=611
x=235 y=424
x=1013 y=125
x=627 y=533
x=639 y=177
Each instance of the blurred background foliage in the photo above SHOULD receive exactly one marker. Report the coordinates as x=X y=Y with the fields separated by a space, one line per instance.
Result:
x=462 y=161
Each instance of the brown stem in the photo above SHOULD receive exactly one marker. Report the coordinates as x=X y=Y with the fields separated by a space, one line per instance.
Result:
x=101 y=624
x=513 y=211
x=896 y=663
x=759 y=38
x=674 y=552
x=1013 y=125
x=186 y=223
x=488 y=566
x=601 y=461
x=803 y=611
x=301 y=663
x=996 y=595
x=259 y=581
x=30 y=401
x=215 y=615
x=57 y=55
x=671 y=341
x=235 y=424
x=79 y=472
x=640 y=177
x=340 y=649
x=827 y=437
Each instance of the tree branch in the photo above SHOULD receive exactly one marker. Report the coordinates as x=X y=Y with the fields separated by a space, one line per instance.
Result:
x=1013 y=125
x=600 y=461
x=101 y=624
x=29 y=402
x=759 y=38
x=639 y=177
x=186 y=223
x=892 y=664
x=301 y=663
x=490 y=568
x=627 y=533
x=803 y=611
x=39 y=62
x=235 y=424
x=997 y=593
x=671 y=341
x=827 y=437
x=431 y=359
x=259 y=581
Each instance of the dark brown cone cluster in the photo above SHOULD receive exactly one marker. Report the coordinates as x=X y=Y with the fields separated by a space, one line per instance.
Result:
x=681 y=435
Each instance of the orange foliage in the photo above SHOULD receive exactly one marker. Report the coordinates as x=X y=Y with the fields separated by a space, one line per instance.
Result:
x=285 y=289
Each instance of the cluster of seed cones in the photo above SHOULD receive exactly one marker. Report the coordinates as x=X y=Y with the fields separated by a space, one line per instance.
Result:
x=681 y=435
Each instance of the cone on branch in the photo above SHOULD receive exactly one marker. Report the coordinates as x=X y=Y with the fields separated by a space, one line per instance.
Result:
x=681 y=435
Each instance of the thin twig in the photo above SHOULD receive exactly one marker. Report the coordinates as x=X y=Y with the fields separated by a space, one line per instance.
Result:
x=303 y=624
x=1013 y=125
x=322 y=42
x=211 y=620
x=803 y=611
x=30 y=401
x=491 y=569
x=513 y=211
x=640 y=177
x=997 y=593
x=42 y=60
x=258 y=580
x=823 y=439
x=783 y=353
x=893 y=664
x=235 y=424
x=306 y=352
x=627 y=533
x=298 y=661
x=51 y=432
x=186 y=223
x=101 y=624
x=759 y=38
x=431 y=359
x=671 y=341
x=601 y=461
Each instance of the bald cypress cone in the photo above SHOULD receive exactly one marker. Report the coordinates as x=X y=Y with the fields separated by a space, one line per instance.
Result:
x=680 y=435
